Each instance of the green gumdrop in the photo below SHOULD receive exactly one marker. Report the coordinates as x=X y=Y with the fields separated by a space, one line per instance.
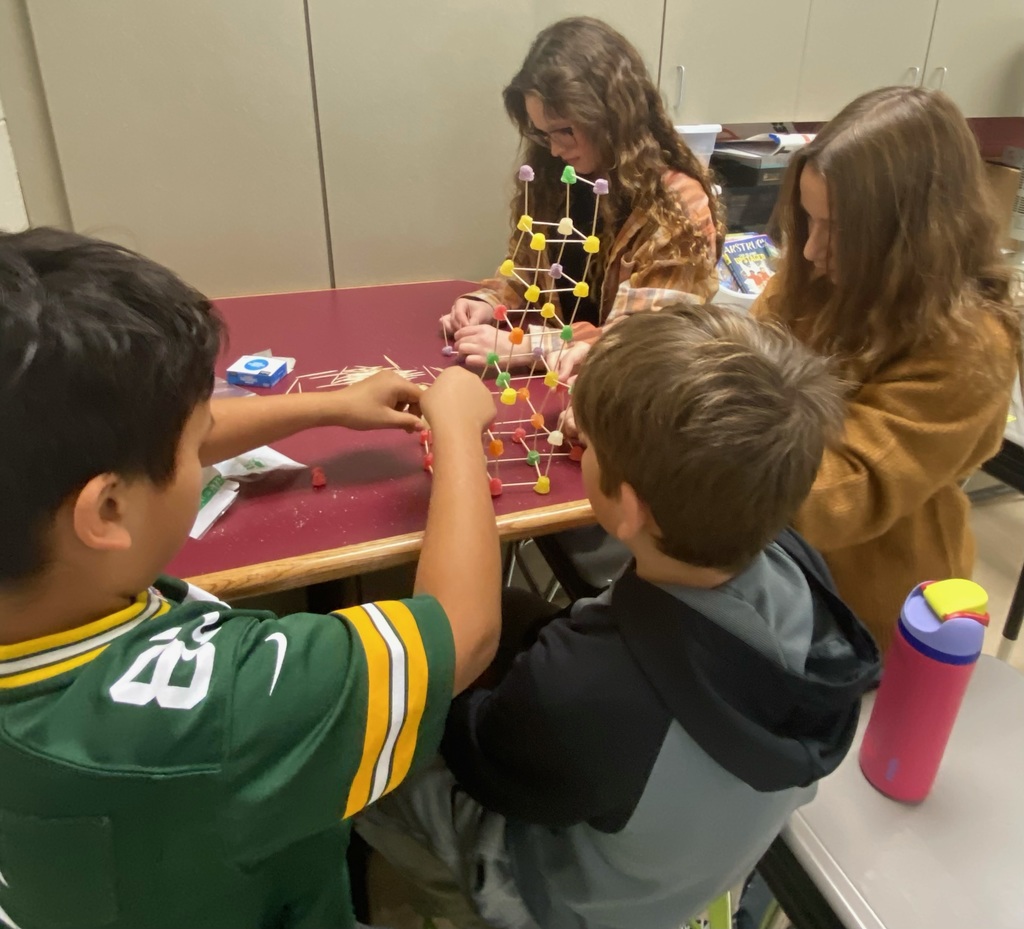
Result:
x=502 y=379
x=532 y=457
x=492 y=358
x=566 y=333
x=569 y=175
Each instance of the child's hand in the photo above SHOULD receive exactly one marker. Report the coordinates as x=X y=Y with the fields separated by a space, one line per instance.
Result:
x=467 y=312
x=384 y=401
x=473 y=343
x=458 y=398
x=566 y=361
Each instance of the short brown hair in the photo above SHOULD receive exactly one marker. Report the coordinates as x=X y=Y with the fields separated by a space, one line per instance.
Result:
x=717 y=421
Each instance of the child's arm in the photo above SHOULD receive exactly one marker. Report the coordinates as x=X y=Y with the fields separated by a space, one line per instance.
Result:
x=384 y=401
x=460 y=564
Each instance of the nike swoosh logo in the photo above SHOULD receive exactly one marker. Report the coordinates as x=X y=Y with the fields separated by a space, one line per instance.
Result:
x=282 y=646
x=4 y=918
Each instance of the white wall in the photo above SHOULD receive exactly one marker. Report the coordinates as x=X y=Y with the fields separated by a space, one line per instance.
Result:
x=12 y=207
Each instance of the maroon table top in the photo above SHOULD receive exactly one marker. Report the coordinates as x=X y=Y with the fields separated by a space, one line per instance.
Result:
x=283 y=533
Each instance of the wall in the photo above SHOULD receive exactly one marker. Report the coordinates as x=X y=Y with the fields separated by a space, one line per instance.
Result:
x=13 y=217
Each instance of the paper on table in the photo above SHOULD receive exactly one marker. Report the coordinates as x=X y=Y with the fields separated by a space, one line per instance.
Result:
x=218 y=494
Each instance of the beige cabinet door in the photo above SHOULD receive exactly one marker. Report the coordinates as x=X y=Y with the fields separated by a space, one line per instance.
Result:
x=732 y=62
x=855 y=47
x=418 y=154
x=977 y=56
x=185 y=130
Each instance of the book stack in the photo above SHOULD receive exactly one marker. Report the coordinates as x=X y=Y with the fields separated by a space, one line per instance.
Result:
x=748 y=263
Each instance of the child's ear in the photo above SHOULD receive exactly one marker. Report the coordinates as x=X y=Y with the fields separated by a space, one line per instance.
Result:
x=633 y=515
x=98 y=514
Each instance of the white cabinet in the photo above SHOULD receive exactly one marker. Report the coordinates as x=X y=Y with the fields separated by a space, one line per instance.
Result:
x=854 y=47
x=977 y=55
x=738 y=62
x=418 y=153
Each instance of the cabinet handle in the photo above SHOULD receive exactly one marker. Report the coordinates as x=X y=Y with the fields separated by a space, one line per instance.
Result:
x=680 y=84
x=915 y=74
x=942 y=77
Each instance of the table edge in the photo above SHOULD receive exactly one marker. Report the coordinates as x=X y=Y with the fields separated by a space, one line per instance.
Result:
x=331 y=564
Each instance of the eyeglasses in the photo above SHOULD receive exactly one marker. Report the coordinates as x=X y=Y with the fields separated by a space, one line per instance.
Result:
x=564 y=135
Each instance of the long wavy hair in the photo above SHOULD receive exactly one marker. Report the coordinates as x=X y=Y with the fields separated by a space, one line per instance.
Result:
x=587 y=73
x=914 y=245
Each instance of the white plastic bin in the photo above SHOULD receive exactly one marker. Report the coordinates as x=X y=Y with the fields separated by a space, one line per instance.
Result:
x=701 y=140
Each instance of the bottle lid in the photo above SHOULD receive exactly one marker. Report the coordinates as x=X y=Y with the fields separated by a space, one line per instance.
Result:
x=946 y=619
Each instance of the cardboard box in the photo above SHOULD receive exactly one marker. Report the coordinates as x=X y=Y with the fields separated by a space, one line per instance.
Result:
x=1003 y=184
x=258 y=370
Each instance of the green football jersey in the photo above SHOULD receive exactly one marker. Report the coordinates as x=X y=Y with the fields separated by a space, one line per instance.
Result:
x=182 y=764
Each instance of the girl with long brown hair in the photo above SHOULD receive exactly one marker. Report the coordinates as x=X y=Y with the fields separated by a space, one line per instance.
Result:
x=892 y=266
x=583 y=98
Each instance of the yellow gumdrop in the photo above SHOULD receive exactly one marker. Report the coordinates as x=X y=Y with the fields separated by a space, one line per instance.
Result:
x=543 y=485
x=592 y=244
x=532 y=294
x=565 y=225
x=507 y=268
x=547 y=311
x=525 y=223
x=582 y=289
x=551 y=379
x=508 y=396
x=538 y=242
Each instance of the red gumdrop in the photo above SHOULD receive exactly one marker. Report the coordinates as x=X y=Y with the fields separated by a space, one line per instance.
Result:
x=495 y=486
x=428 y=461
x=501 y=312
x=519 y=434
x=319 y=478
x=576 y=453
x=425 y=436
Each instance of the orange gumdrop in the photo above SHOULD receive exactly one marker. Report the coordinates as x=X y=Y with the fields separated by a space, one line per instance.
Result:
x=516 y=336
x=524 y=393
x=496 y=448
x=537 y=420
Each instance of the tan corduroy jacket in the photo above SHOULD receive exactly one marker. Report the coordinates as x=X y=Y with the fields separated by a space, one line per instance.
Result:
x=886 y=509
x=644 y=269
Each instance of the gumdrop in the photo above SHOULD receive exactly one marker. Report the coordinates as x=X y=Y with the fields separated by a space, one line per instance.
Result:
x=524 y=393
x=492 y=358
x=547 y=311
x=425 y=437
x=537 y=420
x=565 y=226
x=566 y=334
x=555 y=271
x=428 y=461
x=494 y=485
x=592 y=245
x=508 y=396
x=555 y=437
x=501 y=312
x=526 y=173
x=519 y=434
x=600 y=187
x=576 y=453
x=538 y=351
x=319 y=479
x=525 y=223
x=569 y=175
x=516 y=336
x=532 y=456
x=582 y=289
x=502 y=380
x=507 y=268
x=447 y=351
x=538 y=242
x=543 y=485
x=532 y=294
x=495 y=448
x=551 y=379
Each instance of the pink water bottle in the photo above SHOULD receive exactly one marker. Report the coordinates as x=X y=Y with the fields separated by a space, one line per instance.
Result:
x=937 y=643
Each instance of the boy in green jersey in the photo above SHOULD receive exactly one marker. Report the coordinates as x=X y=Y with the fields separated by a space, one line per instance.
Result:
x=166 y=760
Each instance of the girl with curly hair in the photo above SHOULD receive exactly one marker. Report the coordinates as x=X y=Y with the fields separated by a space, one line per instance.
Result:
x=583 y=98
x=891 y=266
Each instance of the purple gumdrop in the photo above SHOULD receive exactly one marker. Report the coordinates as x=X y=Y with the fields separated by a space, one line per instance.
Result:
x=538 y=351
x=600 y=187
x=556 y=271
x=526 y=173
x=447 y=351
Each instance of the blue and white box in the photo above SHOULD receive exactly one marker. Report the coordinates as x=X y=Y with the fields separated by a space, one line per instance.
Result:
x=258 y=370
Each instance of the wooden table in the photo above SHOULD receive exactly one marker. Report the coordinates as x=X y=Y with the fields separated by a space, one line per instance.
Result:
x=281 y=533
x=855 y=859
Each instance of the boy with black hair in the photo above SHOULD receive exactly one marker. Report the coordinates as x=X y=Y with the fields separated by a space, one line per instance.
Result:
x=639 y=757
x=166 y=761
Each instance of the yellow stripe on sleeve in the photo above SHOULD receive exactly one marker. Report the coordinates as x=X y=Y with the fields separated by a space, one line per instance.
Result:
x=378 y=688
x=418 y=677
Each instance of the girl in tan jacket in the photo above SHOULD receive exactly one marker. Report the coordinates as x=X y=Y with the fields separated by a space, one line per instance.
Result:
x=583 y=98
x=891 y=265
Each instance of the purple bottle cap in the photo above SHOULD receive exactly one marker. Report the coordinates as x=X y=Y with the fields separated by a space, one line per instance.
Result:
x=956 y=640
